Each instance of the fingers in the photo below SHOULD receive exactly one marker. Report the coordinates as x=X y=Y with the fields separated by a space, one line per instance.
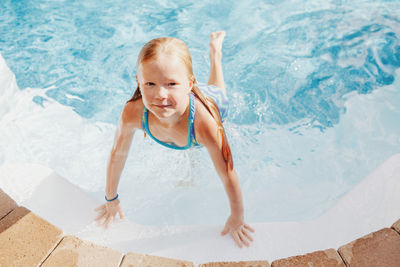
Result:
x=241 y=236
x=109 y=220
x=236 y=237
x=100 y=215
x=225 y=231
x=243 y=239
x=247 y=235
x=102 y=212
x=106 y=215
x=100 y=207
x=249 y=228
x=121 y=214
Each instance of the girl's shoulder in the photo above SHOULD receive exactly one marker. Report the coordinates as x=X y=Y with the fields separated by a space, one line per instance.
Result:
x=202 y=113
x=132 y=113
x=204 y=123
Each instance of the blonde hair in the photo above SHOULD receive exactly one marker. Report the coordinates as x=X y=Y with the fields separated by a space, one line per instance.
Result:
x=174 y=46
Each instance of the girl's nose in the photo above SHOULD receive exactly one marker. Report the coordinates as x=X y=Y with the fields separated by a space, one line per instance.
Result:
x=161 y=92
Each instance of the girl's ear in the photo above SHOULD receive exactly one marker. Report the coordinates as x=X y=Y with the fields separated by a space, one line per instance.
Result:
x=191 y=82
x=190 y=86
x=137 y=82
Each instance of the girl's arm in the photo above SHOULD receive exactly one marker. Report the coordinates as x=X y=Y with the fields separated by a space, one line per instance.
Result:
x=127 y=124
x=207 y=135
x=228 y=177
x=119 y=153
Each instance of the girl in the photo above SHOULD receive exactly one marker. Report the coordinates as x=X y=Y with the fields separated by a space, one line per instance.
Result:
x=170 y=107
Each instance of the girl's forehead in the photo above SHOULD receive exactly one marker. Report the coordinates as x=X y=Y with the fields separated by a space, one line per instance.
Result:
x=165 y=65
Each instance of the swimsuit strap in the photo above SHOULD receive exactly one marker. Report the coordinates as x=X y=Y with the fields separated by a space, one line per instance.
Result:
x=191 y=134
x=191 y=120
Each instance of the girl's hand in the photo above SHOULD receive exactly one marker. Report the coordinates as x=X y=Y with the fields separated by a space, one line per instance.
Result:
x=238 y=229
x=108 y=211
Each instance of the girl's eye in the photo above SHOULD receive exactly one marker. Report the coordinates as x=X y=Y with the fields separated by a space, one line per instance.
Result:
x=171 y=84
x=149 y=84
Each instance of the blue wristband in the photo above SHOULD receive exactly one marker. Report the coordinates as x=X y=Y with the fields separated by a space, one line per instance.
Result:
x=111 y=199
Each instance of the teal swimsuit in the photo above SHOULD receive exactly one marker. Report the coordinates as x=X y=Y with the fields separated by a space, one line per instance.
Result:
x=210 y=90
x=191 y=138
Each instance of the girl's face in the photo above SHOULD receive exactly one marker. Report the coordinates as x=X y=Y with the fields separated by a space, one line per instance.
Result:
x=164 y=86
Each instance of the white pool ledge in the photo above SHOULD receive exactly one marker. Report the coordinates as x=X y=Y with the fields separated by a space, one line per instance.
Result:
x=369 y=206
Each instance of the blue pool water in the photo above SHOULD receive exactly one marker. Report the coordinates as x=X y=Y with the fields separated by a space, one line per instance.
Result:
x=313 y=87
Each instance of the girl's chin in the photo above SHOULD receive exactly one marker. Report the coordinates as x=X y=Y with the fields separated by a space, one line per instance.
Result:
x=162 y=113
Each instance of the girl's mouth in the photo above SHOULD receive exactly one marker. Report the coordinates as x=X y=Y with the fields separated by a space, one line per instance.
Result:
x=162 y=106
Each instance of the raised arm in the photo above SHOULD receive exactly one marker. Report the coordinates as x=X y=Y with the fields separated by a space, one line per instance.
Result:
x=207 y=135
x=127 y=125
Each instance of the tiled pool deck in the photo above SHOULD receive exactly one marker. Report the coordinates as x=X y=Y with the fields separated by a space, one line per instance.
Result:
x=28 y=240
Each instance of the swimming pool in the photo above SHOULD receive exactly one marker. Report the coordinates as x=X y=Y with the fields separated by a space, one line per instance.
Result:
x=314 y=89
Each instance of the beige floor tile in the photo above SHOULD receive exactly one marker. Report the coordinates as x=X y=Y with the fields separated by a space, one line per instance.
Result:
x=380 y=248
x=7 y=204
x=396 y=226
x=323 y=258
x=138 y=260
x=237 y=264
x=26 y=239
x=73 y=251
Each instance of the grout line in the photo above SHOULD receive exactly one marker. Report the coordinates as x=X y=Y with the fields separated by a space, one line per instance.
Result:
x=8 y=213
x=58 y=243
x=5 y=215
x=342 y=257
x=395 y=230
x=122 y=259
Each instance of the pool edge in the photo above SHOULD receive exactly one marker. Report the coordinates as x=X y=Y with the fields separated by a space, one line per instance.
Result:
x=381 y=245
